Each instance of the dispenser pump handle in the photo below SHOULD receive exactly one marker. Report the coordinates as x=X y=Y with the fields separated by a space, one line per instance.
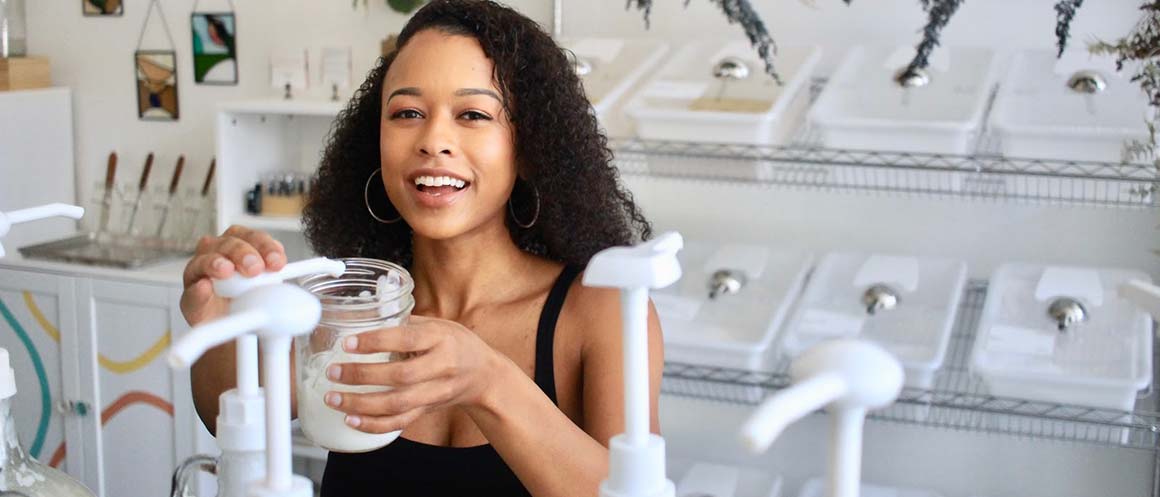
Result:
x=652 y=264
x=35 y=213
x=236 y=285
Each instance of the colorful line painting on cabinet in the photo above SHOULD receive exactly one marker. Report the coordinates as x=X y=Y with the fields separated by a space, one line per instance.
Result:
x=41 y=377
x=120 y=367
x=125 y=401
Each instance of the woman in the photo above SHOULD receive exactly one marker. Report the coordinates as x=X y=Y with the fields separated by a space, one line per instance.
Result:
x=471 y=156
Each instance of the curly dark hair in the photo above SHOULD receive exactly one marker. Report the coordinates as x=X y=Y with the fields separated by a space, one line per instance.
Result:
x=559 y=150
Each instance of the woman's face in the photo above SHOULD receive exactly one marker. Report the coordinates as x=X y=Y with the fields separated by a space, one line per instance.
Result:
x=446 y=144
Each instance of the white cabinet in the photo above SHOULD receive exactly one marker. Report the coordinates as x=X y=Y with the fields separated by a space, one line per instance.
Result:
x=34 y=308
x=119 y=419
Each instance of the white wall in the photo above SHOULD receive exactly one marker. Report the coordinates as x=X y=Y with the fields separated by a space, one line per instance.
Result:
x=94 y=55
x=36 y=134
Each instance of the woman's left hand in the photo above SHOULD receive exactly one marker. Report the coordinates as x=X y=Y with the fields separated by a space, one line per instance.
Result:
x=450 y=365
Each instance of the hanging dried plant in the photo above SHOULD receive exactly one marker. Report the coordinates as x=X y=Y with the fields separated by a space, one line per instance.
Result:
x=646 y=7
x=1065 y=12
x=1142 y=47
x=402 y=6
x=940 y=12
x=925 y=4
x=737 y=12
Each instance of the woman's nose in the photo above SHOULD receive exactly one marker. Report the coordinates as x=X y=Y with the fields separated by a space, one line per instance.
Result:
x=436 y=139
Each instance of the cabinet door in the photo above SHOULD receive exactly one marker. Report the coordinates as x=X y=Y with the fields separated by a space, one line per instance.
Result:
x=38 y=328
x=143 y=430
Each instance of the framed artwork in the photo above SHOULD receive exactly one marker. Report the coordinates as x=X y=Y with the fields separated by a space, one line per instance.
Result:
x=98 y=8
x=156 y=85
x=215 y=53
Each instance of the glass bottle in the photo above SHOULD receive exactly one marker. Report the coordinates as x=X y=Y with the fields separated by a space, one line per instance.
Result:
x=13 y=31
x=20 y=474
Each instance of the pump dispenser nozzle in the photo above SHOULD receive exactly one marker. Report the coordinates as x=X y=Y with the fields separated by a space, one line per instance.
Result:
x=35 y=213
x=848 y=377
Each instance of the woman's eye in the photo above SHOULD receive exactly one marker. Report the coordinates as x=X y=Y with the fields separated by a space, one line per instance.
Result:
x=472 y=115
x=407 y=114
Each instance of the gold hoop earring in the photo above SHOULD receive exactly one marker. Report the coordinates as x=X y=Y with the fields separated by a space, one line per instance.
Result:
x=367 y=200
x=535 y=216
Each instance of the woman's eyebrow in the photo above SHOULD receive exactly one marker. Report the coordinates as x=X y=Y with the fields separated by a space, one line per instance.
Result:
x=409 y=91
x=465 y=92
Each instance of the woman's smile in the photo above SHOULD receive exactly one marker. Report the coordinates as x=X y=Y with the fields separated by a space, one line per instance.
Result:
x=434 y=188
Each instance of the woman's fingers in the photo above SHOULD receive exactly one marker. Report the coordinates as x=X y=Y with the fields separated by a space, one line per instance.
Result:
x=393 y=402
x=250 y=251
x=195 y=299
x=411 y=337
x=418 y=369
x=208 y=265
x=272 y=252
x=239 y=249
x=245 y=257
x=384 y=424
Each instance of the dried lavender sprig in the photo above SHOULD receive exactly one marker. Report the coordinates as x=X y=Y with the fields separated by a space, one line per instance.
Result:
x=736 y=12
x=1141 y=45
x=925 y=4
x=1065 y=12
x=940 y=14
x=646 y=6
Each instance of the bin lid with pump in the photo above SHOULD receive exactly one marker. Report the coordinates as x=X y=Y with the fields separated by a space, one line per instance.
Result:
x=1022 y=351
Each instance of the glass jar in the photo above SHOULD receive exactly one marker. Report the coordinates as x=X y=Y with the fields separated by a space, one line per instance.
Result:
x=13 y=33
x=370 y=295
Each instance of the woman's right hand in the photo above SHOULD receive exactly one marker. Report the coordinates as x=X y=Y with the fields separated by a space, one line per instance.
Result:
x=240 y=249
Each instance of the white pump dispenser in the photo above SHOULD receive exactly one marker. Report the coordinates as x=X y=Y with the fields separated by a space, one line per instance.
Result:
x=275 y=312
x=637 y=456
x=848 y=377
x=35 y=213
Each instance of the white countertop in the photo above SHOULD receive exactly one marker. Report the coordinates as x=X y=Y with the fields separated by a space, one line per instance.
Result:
x=167 y=272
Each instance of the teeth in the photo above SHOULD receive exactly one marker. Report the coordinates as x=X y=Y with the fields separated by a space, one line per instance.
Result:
x=439 y=181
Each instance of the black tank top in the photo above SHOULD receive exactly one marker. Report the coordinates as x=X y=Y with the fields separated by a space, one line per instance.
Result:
x=410 y=468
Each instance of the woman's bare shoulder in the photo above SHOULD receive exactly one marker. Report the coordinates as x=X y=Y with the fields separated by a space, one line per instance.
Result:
x=595 y=314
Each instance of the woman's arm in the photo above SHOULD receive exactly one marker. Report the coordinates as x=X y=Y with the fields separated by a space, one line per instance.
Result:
x=550 y=454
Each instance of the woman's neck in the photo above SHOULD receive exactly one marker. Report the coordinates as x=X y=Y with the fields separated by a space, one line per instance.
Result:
x=454 y=276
